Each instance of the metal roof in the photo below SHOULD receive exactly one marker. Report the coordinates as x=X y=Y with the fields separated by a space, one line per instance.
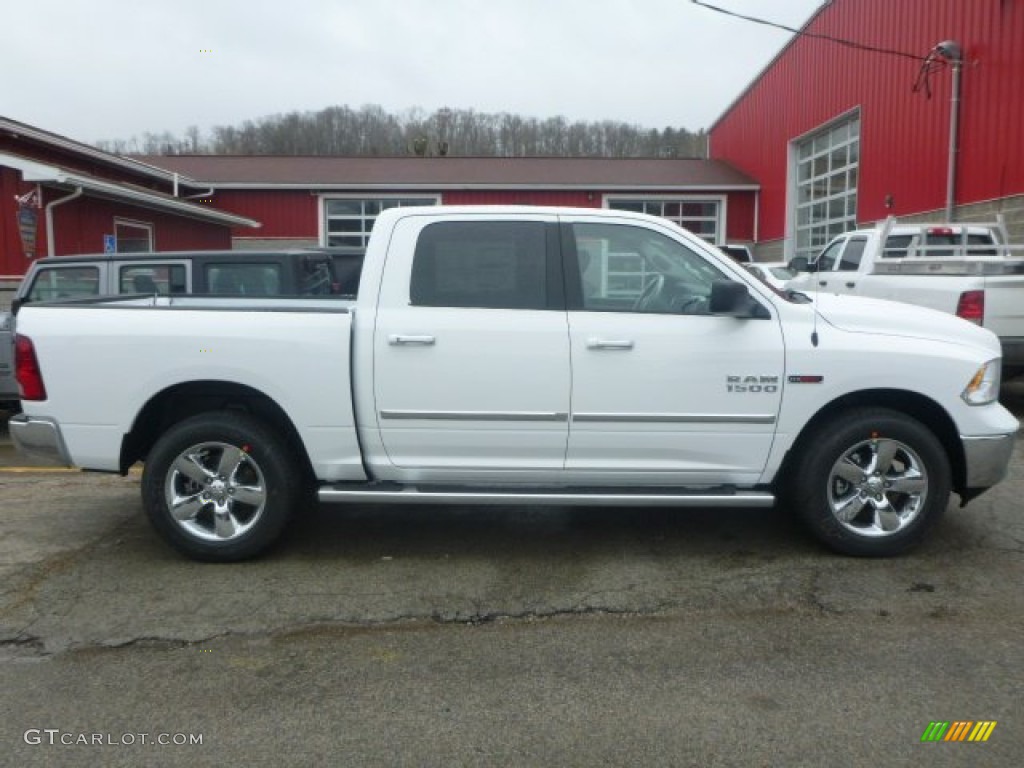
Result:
x=323 y=172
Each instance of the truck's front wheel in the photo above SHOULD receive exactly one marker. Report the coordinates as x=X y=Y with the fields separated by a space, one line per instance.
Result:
x=219 y=486
x=871 y=482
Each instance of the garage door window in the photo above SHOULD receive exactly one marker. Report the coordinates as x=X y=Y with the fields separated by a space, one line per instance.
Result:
x=826 y=171
x=702 y=216
x=349 y=221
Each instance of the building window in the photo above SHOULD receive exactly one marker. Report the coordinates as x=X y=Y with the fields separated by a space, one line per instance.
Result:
x=349 y=220
x=133 y=236
x=826 y=185
x=703 y=216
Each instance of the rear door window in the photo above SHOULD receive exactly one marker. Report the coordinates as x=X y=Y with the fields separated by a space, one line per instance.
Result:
x=162 y=279
x=484 y=264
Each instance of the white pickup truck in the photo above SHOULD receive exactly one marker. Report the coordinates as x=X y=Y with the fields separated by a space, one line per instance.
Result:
x=966 y=270
x=521 y=355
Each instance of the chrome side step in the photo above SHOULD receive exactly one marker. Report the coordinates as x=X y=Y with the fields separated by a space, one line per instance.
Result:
x=719 y=497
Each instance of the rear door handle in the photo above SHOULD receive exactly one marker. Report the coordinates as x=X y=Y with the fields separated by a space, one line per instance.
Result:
x=609 y=344
x=397 y=339
x=851 y=285
x=823 y=282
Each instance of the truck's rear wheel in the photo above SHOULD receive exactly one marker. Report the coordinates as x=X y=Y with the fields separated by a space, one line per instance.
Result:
x=219 y=486
x=871 y=482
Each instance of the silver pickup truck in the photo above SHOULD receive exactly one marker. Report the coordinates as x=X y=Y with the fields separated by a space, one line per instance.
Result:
x=8 y=387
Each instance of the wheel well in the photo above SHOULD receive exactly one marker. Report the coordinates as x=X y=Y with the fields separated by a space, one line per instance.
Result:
x=182 y=401
x=923 y=409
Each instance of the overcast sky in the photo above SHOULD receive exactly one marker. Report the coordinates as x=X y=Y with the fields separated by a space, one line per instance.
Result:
x=107 y=69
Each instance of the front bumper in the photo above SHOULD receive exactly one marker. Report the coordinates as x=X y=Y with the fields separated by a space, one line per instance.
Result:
x=39 y=437
x=987 y=459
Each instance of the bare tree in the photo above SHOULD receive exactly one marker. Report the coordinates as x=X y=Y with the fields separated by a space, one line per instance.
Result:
x=370 y=130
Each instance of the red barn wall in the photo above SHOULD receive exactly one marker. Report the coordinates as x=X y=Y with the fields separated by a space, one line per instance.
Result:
x=283 y=213
x=79 y=227
x=294 y=214
x=904 y=136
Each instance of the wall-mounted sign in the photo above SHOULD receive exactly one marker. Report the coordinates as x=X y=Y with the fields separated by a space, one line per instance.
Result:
x=109 y=244
x=28 y=219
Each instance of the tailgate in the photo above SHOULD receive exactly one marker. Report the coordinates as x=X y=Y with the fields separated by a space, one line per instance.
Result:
x=1004 y=305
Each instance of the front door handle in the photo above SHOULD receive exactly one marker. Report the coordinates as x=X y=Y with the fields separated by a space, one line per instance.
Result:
x=609 y=344
x=851 y=285
x=823 y=283
x=397 y=339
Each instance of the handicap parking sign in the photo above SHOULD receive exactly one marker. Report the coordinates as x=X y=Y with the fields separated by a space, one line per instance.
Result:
x=110 y=244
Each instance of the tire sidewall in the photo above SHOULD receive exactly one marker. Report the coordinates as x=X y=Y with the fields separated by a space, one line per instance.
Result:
x=279 y=475
x=810 y=484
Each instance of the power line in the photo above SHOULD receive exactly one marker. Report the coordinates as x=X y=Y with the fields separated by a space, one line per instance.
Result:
x=801 y=33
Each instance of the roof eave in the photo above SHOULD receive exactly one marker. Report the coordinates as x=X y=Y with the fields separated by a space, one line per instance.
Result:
x=33 y=171
x=61 y=142
x=398 y=186
x=757 y=78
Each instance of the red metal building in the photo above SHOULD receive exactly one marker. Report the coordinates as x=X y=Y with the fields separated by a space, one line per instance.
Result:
x=334 y=200
x=61 y=197
x=837 y=136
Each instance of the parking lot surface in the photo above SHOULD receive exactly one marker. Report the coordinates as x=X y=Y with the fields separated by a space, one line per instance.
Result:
x=515 y=636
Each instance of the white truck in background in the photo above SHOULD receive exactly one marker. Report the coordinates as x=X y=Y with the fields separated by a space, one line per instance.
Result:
x=541 y=356
x=967 y=270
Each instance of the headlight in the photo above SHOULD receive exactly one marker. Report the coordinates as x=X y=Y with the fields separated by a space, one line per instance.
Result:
x=983 y=388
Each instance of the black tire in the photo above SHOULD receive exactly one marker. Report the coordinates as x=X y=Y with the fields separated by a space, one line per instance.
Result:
x=870 y=482
x=230 y=478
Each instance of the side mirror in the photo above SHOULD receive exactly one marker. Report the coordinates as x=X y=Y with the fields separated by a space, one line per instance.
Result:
x=16 y=305
x=799 y=264
x=729 y=298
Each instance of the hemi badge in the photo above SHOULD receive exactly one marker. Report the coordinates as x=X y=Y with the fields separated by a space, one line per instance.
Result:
x=806 y=379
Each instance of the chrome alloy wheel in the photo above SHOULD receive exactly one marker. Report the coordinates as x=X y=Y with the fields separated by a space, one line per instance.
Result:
x=877 y=487
x=215 y=491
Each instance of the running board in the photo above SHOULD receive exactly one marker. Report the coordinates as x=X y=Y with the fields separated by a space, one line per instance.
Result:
x=719 y=497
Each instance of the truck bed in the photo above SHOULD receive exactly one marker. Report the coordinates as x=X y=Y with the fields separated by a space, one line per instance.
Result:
x=230 y=340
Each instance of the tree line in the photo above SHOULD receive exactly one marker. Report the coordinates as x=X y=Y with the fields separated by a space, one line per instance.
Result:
x=371 y=130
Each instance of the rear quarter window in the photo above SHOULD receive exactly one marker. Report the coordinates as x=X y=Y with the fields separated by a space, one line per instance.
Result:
x=64 y=283
x=241 y=279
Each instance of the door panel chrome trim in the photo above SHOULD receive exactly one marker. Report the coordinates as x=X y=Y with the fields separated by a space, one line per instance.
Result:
x=674 y=418
x=413 y=495
x=474 y=415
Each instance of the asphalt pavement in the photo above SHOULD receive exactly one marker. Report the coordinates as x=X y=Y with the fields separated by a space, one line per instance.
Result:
x=503 y=636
